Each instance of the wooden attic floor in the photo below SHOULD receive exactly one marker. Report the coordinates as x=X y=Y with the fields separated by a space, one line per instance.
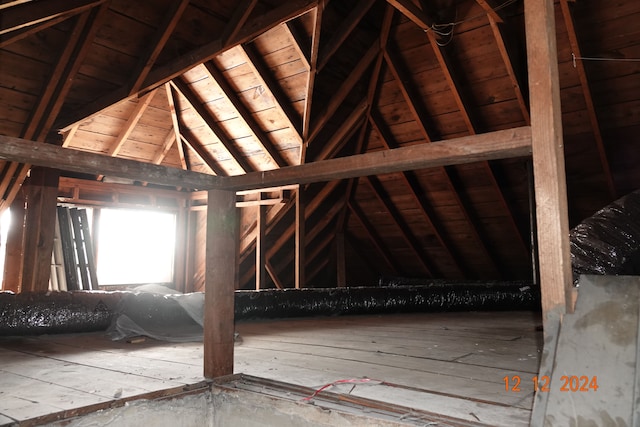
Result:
x=447 y=363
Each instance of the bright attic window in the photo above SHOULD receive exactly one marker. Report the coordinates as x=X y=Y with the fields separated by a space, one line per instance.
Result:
x=135 y=247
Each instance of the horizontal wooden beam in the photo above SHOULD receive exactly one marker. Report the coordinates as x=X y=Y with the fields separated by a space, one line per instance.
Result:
x=48 y=155
x=488 y=146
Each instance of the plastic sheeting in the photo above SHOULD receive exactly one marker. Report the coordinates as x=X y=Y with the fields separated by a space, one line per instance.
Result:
x=607 y=243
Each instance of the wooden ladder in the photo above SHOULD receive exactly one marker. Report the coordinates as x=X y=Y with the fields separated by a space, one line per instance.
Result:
x=77 y=248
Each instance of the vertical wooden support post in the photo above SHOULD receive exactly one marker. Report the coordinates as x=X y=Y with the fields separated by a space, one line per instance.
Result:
x=261 y=253
x=300 y=239
x=180 y=255
x=12 y=279
x=220 y=277
x=41 y=192
x=341 y=260
x=548 y=158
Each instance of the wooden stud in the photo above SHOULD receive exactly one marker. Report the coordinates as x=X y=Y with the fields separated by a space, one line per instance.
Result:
x=272 y=273
x=341 y=260
x=548 y=158
x=220 y=279
x=261 y=259
x=300 y=239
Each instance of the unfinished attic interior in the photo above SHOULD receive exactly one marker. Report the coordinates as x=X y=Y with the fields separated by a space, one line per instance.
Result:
x=319 y=212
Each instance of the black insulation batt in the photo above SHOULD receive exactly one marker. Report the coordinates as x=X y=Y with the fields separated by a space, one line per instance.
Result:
x=67 y=312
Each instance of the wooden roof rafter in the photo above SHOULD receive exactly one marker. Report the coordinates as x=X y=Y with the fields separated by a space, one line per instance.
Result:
x=245 y=114
x=270 y=84
x=166 y=72
x=373 y=236
x=405 y=231
x=417 y=193
x=238 y=20
x=345 y=88
x=455 y=88
x=591 y=110
x=55 y=92
x=130 y=125
x=211 y=123
x=23 y=15
x=311 y=78
x=175 y=123
x=338 y=37
x=165 y=29
x=494 y=21
x=421 y=117
x=196 y=146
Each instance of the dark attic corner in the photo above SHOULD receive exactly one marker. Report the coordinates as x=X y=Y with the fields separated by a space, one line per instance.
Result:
x=321 y=213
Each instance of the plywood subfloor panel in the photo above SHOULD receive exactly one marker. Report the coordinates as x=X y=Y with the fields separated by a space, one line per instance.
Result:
x=448 y=363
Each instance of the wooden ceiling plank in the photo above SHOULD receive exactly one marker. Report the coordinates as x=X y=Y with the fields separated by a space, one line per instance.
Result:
x=237 y=21
x=210 y=121
x=407 y=234
x=244 y=113
x=192 y=142
x=345 y=88
x=175 y=124
x=591 y=110
x=166 y=72
x=348 y=25
x=299 y=43
x=52 y=156
x=373 y=236
x=425 y=208
x=262 y=72
x=28 y=14
x=165 y=29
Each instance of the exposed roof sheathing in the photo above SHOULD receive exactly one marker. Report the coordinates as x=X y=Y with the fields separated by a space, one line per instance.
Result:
x=230 y=87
